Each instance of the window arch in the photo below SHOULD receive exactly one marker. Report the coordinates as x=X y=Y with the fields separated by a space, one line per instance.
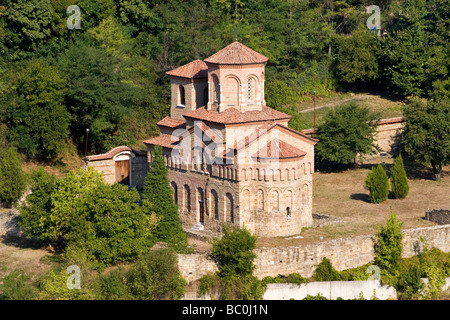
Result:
x=182 y=95
x=229 y=207
x=215 y=204
x=251 y=89
x=187 y=198
x=175 y=191
x=216 y=89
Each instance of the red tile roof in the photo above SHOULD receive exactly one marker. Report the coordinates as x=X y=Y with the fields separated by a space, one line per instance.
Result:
x=278 y=149
x=236 y=53
x=112 y=153
x=171 y=123
x=193 y=70
x=234 y=116
x=164 y=140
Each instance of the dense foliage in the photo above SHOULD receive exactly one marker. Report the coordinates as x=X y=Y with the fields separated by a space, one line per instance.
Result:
x=426 y=136
x=159 y=194
x=109 y=75
x=347 y=131
x=389 y=245
x=87 y=218
x=13 y=180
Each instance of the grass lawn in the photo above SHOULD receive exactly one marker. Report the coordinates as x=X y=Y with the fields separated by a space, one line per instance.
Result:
x=343 y=194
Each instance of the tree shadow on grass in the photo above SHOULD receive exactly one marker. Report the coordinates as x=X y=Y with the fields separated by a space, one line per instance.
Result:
x=361 y=197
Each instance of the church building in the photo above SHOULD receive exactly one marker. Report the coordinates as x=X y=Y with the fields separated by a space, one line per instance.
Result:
x=231 y=158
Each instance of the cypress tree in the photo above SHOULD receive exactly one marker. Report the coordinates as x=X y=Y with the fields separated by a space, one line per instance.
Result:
x=158 y=192
x=13 y=180
x=378 y=184
x=399 y=181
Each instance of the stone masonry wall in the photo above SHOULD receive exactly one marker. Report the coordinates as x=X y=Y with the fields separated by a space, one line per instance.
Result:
x=439 y=216
x=344 y=253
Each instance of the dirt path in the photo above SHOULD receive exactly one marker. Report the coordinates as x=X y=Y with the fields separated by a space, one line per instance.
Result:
x=19 y=255
x=358 y=97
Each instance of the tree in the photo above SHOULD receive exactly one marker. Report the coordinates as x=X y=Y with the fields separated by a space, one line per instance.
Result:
x=156 y=276
x=389 y=245
x=37 y=117
x=426 y=136
x=158 y=192
x=378 y=184
x=356 y=57
x=13 y=180
x=38 y=205
x=346 y=132
x=110 y=225
x=234 y=251
x=399 y=180
x=66 y=200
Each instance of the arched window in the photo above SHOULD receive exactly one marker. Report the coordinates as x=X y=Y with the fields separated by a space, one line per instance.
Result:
x=175 y=191
x=229 y=207
x=215 y=204
x=231 y=92
x=251 y=90
x=182 y=95
x=216 y=90
x=187 y=198
x=205 y=96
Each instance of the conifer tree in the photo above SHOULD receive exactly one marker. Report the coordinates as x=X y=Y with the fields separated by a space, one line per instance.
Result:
x=158 y=192
x=13 y=180
x=378 y=184
x=399 y=180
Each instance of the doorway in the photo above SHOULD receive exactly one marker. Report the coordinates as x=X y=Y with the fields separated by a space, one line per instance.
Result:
x=123 y=172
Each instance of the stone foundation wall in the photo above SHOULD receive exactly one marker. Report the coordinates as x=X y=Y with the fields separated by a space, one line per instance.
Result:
x=343 y=253
x=8 y=224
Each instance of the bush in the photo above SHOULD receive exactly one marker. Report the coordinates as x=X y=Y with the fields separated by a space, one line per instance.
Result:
x=326 y=272
x=388 y=249
x=13 y=180
x=15 y=286
x=378 y=184
x=112 y=286
x=399 y=180
x=53 y=286
x=155 y=277
x=235 y=252
x=409 y=283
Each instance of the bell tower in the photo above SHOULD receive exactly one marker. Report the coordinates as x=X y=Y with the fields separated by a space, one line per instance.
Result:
x=236 y=79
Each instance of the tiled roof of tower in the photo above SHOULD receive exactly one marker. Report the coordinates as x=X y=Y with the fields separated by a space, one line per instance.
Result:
x=171 y=123
x=193 y=70
x=278 y=149
x=164 y=140
x=232 y=115
x=236 y=53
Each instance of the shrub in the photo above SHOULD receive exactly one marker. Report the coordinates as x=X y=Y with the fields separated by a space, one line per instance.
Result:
x=35 y=211
x=112 y=286
x=378 y=184
x=13 y=180
x=235 y=252
x=326 y=272
x=399 y=180
x=53 y=286
x=388 y=249
x=15 y=286
x=155 y=276
x=409 y=283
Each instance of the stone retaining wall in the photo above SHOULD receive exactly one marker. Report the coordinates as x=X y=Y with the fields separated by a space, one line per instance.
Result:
x=344 y=253
x=439 y=216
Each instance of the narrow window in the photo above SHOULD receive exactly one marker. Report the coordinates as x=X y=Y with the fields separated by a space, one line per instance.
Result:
x=182 y=96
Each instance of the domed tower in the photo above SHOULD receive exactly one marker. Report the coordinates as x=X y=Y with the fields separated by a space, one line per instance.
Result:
x=236 y=79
